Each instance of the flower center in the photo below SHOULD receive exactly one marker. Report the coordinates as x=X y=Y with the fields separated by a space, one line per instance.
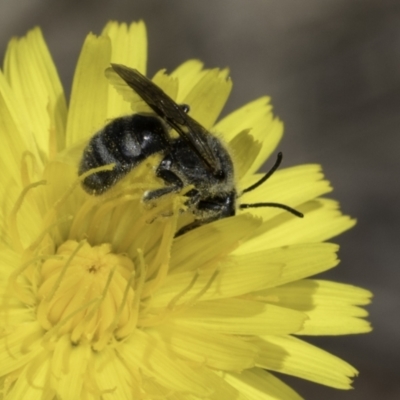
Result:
x=87 y=292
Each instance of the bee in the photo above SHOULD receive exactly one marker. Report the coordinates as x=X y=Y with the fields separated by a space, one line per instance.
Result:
x=195 y=157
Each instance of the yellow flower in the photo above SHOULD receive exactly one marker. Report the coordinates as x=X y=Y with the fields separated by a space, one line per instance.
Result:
x=99 y=300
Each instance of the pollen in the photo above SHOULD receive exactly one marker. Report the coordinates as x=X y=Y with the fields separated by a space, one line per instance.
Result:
x=87 y=292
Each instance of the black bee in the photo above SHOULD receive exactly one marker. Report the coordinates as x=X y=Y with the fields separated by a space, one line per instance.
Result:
x=195 y=157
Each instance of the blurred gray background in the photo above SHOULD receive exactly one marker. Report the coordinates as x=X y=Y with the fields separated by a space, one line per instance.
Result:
x=332 y=68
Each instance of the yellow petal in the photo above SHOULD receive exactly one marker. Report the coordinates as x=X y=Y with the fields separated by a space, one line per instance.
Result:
x=20 y=346
x=290 y=186
x=321 y=222
x=257 y=384
x=241 y=317
x=32 y=382
x=292 y=356
x=14 y=313
x=195 y=256
x=246 y=117
x=229 y=353
x=209 y=96
x=188 y=74
x=244 y=150
x=128 y=47
x=129 y=44
x=221 y=390
x=17 y=137
x=197 y=247
x=343 y=321
x=55 y=188
x=331 y=307
x=298 y=261
x=269 y=135
x=237 y=276
x=69 y=365
x=154 y=358
x=244 y=274
x=36 y=85
x=25 y=219
x=257 y=117
x=9 y=261
x=88 y=107
x=167 y=83
x=113 y=378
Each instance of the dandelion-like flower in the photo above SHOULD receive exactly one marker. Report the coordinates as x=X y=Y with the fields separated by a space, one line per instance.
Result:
x=100 y=299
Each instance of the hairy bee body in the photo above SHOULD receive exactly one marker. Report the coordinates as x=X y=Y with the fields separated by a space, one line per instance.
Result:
x=194 y=158
x=125 y=142
x=128 y=141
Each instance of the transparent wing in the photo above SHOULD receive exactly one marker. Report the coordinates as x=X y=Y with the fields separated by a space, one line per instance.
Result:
x=164 y=107
x=129 y=95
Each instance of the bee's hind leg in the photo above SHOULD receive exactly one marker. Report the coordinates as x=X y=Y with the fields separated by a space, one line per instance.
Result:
x=174 y=185
x=157 y=193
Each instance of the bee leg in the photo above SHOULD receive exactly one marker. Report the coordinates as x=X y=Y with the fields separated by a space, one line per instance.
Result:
x=196 y=223
x=209 y=210
x=157 y=193
x=193 y=196
x=174 y=184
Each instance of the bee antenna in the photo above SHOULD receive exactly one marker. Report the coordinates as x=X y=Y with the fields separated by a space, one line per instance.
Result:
x=276 y=205
x=260 y=182
x=267 y=175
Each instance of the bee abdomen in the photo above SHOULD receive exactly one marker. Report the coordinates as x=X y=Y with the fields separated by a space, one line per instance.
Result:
x=125 y=142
